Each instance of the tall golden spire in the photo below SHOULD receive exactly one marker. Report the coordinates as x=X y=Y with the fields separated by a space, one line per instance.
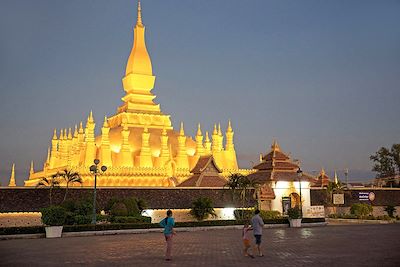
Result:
x=139 y=22
x=139 y=61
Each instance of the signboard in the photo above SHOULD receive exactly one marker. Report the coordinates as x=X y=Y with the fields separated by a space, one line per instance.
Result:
x=286 y=204
x=338 y=199
x=314 y=212
x=366 y=196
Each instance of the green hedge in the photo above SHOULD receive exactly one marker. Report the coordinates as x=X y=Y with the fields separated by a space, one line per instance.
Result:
x=130 y=219
x=22 y=230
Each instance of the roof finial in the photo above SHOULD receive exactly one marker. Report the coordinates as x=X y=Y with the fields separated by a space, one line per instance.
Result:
x=322 y=173
x=139 y=15
x=275 y=146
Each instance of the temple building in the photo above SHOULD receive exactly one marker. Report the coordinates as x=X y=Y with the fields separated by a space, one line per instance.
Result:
x=138 y=144
x=278 y=172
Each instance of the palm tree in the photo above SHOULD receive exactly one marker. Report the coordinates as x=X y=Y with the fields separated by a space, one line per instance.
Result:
x=240 y=184
x=70 y=177
x=51 y=182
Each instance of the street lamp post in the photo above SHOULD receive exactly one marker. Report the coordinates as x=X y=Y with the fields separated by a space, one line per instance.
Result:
x=346 y=173
x=299 y=174
x=95 y=170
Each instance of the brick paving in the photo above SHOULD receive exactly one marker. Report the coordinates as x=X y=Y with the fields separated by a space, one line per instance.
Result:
x=350 y=245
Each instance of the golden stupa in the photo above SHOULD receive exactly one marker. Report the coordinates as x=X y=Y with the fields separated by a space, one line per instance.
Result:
x=138 y=144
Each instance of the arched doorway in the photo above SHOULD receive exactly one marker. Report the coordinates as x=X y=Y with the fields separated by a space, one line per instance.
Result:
x=295 y=200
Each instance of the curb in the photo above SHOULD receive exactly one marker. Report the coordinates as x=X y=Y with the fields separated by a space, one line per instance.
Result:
x=331 y=221
x=152 y=230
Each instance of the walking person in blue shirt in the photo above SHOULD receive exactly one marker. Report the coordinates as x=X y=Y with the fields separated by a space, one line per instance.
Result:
x=168 y=223
x=257 y=224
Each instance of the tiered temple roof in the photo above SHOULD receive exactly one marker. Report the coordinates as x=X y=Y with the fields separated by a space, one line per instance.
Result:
x=206 y=173
x=277 y=166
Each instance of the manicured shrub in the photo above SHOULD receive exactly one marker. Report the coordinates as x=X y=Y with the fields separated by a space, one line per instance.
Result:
x=294 y=213
x=53 y=215
x=134 y=206
x=119 y=209
x=202 y=208
x=390 y=209
x=361 y=210
x=131 y=206
x=270 y=214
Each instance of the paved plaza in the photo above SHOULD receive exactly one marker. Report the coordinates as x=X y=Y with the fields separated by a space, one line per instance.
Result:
x=355 y=245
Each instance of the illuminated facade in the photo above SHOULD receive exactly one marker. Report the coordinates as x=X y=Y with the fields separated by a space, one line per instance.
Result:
x=138 y=144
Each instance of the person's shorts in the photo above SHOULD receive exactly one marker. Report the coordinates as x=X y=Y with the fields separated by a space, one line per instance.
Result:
x=258 y=239
x=246 y=243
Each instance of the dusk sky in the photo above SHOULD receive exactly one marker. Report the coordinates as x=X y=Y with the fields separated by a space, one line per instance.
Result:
x=321 y=77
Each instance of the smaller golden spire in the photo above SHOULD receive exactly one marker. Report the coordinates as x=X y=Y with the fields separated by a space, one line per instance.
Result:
x=215 y=132
x=76 y=131
x=207 y=137
x=65 y=134
x=90 y=118
x=48 y=155
x=12 y=177
x=70 y=133
x=105 y=124
x=55 y=134
x=182 y=131
x=219 y=129
x=61 y=134
x=229 y=130
x=336 y=179
x=199 y=133
x=31 y=171
x=81 y=128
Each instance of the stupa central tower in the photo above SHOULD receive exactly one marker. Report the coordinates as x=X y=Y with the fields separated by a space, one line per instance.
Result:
x=138 y=83
x=138 y=144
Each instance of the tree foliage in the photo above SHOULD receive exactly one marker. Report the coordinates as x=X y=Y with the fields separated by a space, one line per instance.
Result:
x=386 y=161
x=70 y=177
x=239 y=185
x=202 y=208
x=50 y=182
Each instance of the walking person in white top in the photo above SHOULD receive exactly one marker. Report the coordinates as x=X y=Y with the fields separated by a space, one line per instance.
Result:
x=257 y=224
